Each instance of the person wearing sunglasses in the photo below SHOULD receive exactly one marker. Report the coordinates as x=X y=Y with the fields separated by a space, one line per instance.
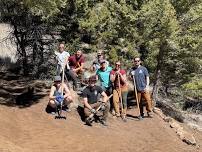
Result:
x=120 y=90
x=141 y=76
x=97 y=62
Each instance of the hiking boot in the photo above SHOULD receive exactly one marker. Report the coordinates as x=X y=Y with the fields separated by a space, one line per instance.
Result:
x=124 y=118
x=88 y=122
x=66 y=108
x=53 y=113
x=103 y=122
x=140 y=117
x=150 y=115
x=113 y=113
x=117 y=115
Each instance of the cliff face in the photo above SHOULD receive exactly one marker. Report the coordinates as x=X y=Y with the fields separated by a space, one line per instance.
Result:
x=7 y=48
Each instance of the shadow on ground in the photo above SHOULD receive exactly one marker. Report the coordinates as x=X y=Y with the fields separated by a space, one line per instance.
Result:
x=18 y=91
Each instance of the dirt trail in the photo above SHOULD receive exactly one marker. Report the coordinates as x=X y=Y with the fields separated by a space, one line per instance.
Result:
x=32 y=129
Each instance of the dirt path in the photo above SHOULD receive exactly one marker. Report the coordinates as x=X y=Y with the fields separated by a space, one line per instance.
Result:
x=31 y=129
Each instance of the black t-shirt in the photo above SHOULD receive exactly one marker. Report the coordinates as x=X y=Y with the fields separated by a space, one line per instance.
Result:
x=92 y=93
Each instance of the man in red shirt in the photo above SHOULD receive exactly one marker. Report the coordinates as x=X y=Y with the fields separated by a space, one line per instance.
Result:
x=120 y=89
x=76 y=63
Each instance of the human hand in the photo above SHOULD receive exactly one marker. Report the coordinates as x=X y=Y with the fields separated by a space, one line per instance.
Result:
x=117 y=73
x=102 y=106
x=93 y=111
x=74 y=70
x=133 y=73
x=146 y=88
x=59 y=98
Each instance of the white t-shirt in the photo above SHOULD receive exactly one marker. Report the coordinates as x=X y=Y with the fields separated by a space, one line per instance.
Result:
x=61 y=57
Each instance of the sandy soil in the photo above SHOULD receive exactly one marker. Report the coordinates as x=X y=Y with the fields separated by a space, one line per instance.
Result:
x=32 y=129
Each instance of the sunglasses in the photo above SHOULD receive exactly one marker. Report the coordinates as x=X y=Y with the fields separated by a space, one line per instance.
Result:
x=136 y=60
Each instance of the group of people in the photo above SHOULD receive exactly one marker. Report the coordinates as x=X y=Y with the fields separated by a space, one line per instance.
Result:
x=113 y=83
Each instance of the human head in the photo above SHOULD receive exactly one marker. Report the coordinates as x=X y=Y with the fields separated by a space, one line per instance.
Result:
x=78 y=53
x=57 y=80
x=61 y=47
x=99 y=53
x=137 y=61
x=103 y=64
x=92 y=80
x=117 y=65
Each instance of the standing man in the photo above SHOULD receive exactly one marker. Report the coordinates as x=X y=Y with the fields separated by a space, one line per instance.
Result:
x=120 y=90
x=103 y=74
x=62 y=59
x=96 y=63
x=90 y=100
x=141 y=76
x=76 y=63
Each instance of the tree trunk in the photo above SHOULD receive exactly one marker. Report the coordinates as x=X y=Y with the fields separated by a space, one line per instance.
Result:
x=159 y=66
x=21 y=49
x=24 y=61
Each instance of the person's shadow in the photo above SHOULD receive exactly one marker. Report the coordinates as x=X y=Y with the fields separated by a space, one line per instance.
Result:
x=81 y=113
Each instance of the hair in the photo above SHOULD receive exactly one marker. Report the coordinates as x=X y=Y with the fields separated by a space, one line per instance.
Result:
x=62 y=42
x=137 y=57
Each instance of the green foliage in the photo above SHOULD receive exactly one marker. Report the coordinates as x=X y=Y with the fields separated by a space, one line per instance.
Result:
x=194 y=87
x=166 y=34
x=113 y=57
x=45 y=9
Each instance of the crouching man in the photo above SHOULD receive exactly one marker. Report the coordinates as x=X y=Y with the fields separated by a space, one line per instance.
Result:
x=56 y=96
x=90 y=100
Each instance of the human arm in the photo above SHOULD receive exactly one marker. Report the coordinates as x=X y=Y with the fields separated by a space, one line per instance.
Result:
x=112 y=76
x=147 y=83
x=86 y=104
x=147 y=79
x=66 y=63
x=80 y=67
x=51 y=95
x=66 y=91
x=105 y=97
x=79 y=64
x=97 y=77
x=123 y=77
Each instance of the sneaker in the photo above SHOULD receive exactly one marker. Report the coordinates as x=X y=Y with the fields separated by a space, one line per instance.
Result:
x=149 y=114
x=113 y=113
x=124 y=118
x=118 y=114
x=88 y=122
x=103 y=122
x=66 y=108
x=53 y=113
x=140 y=117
